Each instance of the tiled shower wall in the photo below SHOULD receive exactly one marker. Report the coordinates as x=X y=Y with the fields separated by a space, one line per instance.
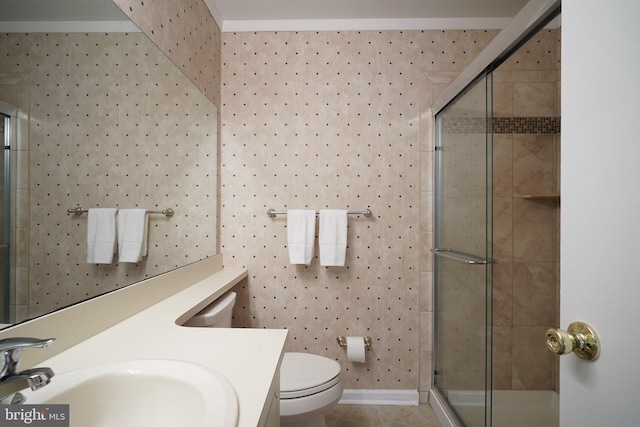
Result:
x=113 y=124
x=526 y=230
x=333 y=120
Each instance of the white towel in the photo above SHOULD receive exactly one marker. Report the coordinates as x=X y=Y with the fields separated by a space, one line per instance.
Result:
x=132 y=234
x=301 y=231
x=333 y=237
x=101 y=235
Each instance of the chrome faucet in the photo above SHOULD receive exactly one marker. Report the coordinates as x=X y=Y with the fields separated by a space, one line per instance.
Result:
x=11 y=382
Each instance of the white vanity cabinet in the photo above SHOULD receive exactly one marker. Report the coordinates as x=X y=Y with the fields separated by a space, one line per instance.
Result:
x=271 y=414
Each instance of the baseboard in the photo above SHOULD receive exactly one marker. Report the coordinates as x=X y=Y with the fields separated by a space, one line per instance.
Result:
x=380 y=397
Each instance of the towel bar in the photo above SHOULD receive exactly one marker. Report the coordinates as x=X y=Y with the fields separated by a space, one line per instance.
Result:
x=367 y=212
x=79 y=211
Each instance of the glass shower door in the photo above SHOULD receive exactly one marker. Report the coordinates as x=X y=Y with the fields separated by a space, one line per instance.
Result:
x=6 y=136
x=463 y=253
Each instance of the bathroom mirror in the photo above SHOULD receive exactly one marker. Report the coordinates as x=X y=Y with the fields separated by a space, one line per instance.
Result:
x=105 y=120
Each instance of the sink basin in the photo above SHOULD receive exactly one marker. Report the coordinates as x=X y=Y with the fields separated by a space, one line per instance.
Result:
x=142 y=393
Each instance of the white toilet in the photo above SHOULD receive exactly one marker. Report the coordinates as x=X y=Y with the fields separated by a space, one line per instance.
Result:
x=309 y=384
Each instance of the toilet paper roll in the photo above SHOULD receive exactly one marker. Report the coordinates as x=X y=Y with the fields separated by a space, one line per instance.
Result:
x=355 y=349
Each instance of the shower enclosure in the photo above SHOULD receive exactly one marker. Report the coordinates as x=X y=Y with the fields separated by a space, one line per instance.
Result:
x=7 y=135
x=496 y=240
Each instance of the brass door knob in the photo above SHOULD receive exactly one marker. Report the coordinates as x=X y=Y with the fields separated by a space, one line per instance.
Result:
x=579 y=338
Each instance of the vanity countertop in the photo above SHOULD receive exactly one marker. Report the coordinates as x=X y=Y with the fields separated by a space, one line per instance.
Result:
x=248 y=358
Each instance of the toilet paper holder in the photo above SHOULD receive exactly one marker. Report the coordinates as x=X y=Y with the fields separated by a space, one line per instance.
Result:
x=342 y=341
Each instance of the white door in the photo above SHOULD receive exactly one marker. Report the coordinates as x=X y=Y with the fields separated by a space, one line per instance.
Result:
x=600 y=184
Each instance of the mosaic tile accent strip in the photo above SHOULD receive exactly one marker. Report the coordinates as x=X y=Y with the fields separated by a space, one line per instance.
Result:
x=526 y=125
x=502 y=125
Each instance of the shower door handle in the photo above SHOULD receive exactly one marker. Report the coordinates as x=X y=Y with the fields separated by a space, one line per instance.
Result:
x=579 y=338
x=462 y=257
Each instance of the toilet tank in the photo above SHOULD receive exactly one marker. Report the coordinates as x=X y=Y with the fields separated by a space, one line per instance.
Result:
x=215 y=315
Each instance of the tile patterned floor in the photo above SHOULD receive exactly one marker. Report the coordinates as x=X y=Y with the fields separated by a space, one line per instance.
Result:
x=381 y=416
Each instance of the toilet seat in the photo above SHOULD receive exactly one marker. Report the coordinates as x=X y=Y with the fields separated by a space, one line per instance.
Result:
x=304 y=374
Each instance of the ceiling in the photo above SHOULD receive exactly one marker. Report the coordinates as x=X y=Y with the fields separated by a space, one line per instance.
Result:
x=283 y=15
x=296 y=15
x=27 y=16
x=60 y=10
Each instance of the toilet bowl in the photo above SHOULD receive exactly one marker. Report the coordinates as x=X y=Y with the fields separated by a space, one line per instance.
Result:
x=310 y=385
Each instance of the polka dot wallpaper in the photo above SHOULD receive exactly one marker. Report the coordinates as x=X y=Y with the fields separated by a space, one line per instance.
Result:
x=187 y=33
x=333 y=120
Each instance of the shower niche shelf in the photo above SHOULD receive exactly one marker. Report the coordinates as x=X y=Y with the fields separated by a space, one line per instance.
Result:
x=547 y=196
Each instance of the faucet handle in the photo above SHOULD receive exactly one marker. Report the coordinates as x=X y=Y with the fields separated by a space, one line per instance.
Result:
x=11 y=350
x=22 y=342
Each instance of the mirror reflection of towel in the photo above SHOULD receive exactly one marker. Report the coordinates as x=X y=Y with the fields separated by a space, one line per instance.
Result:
x=333 y=237
x=101 y=235
x=132 y=234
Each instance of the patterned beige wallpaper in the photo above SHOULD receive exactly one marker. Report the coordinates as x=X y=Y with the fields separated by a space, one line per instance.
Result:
x=113 y=124
x=333 y=120
x=187 y=33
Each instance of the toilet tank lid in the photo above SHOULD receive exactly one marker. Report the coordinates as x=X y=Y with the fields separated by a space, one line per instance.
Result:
x=214 y=311
x=301 y=371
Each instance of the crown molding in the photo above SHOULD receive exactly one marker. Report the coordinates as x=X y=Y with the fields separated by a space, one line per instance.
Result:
x=231 y=26
x=68 y=27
